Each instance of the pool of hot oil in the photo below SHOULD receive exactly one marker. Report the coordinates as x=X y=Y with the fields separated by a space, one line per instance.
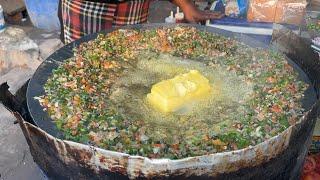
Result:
x=224 y=105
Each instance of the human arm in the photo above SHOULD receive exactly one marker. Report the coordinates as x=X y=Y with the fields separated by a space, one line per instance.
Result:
x=193 y=14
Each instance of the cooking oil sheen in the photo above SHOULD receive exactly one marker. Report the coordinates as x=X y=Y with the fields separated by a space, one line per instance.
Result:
x=224 y=104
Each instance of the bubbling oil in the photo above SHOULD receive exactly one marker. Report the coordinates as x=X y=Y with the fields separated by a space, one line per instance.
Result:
x=223 y=106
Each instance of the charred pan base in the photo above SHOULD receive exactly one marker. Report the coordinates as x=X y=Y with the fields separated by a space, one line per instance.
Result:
x=65 y=160
x=278 y=158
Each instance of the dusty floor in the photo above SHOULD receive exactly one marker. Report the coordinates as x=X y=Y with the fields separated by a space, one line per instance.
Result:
x=15 y=159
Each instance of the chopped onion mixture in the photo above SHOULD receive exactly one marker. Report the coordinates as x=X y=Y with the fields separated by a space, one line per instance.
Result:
x=77 y=95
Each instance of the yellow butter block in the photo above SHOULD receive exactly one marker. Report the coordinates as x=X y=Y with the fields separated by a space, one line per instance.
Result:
x=172 y=94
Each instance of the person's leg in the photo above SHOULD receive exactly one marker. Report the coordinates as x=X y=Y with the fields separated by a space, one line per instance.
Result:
x=81 y=18
x=131 y=12
x=61 y=22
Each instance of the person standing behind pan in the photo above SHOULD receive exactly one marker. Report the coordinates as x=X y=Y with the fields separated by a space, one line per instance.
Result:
x=82 y=17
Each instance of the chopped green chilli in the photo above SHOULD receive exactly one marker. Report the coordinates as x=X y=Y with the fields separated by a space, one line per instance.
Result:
x=98 y=97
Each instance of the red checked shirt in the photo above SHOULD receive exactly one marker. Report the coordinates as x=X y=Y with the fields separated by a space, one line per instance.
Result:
x=79 y=18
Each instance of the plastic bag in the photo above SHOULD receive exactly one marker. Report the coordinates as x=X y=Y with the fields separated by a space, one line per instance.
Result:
x=236 y=8
x=290 y=11
x=243 y=7
x=279 y=11
x=232 y=8
x=262 y=10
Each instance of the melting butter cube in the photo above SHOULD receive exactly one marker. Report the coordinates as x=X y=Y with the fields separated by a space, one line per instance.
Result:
x=172 y=94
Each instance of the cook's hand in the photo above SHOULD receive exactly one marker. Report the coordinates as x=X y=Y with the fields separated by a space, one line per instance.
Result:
x=195 y=15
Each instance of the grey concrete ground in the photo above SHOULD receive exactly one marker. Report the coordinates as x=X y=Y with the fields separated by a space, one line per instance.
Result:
x=26 y=47
x=20 y=55
x=15 y=159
